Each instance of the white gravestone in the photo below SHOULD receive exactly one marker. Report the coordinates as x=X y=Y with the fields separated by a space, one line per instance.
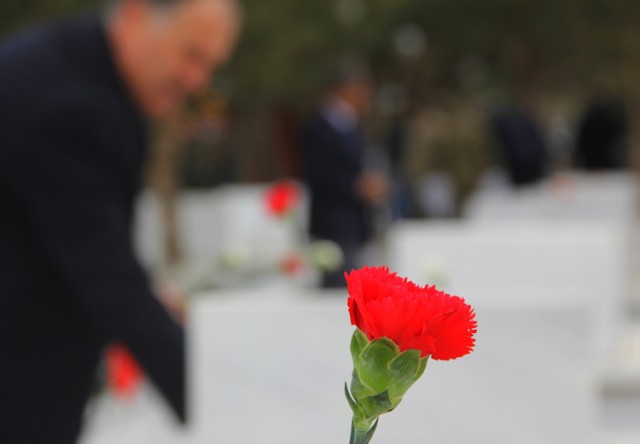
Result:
x=270 y=368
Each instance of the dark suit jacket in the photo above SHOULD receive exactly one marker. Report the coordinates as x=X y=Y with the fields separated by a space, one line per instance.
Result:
x=602 y=136
x=71 y=152
x=333 y=164
x=521 y=144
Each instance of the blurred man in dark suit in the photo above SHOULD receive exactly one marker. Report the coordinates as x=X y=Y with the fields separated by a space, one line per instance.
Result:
x=602 y=138
x=521 y=144
x=342 y=188
x=74 y=98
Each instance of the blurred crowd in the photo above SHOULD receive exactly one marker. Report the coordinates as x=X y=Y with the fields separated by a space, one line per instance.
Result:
x=370 y=154
x=433 y=154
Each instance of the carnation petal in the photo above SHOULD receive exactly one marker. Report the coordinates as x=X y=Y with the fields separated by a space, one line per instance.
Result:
x=384 y=305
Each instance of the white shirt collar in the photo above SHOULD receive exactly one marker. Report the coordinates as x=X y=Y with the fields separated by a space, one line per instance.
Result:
x=340 y=114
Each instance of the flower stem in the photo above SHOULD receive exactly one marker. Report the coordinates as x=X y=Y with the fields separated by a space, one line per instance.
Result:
x=361 y=435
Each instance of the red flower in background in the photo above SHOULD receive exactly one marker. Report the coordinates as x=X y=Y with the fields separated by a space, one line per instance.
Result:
x=123 y=372
x=282 y=197
x=382 y=304
x=292 y=264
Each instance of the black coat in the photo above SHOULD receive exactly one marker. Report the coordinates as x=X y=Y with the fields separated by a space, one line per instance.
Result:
x=521 y=145
x=71 y=152
x=602 y=136
x=333 y=164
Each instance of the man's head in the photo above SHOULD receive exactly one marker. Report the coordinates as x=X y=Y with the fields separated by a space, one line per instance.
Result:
x=351 y=82
x=168 y=49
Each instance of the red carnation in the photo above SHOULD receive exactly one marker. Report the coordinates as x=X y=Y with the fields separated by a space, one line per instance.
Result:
x=383 y=304
x=292 y=264
x=123 y=372
x=281 y=198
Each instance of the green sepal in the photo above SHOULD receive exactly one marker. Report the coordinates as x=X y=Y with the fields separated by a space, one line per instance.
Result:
x=381 y=377
x=377 y=405
x=359 y=341
x=423 y=367
x=404 y=370
x=372 y=365
x=369 y=404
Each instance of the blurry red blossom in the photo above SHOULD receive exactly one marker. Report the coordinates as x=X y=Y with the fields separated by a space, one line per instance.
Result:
x=281 y=198
x=123 y=372
x=292 y=264
x=382 y=304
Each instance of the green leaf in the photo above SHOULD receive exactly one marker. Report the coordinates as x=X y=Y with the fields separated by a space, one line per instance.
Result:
x=355 y=408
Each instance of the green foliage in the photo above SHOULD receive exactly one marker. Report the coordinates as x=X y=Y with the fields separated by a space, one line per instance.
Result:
x=15 y=14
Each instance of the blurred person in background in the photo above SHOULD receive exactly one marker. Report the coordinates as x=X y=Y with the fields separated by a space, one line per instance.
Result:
x=75 y=98
x=521 y=144
x=342 y=189
x=446 y=155
x=515 y=124
x=603 y=131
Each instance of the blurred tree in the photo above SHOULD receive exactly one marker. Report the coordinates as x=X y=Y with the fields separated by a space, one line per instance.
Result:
x=512 y=47
x=287 y=44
